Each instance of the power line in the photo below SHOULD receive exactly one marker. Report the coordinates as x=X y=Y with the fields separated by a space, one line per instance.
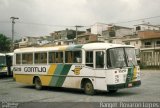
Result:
x=40 y=24
x=138 y=19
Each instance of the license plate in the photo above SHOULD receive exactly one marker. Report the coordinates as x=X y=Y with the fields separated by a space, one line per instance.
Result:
x=130 y=85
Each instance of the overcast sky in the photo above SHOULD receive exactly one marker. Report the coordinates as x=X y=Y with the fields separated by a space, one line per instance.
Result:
x=58 y=14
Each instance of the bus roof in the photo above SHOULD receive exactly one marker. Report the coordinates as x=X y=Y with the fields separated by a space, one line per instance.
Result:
x=89 y=46
x=103 y=46
x=10 y=54
x=1 y=54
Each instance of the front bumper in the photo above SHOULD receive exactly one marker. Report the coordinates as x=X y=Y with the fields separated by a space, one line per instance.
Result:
x=125 y=85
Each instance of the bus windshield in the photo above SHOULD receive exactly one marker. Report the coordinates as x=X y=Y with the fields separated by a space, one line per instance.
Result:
x=131 y=56
x=121 y=57
x=2 y=60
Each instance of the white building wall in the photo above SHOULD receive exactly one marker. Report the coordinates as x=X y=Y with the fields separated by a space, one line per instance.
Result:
x=124 y=32
x=145 y=27
x=117 y=41
x=136 y=43
x=98 y=28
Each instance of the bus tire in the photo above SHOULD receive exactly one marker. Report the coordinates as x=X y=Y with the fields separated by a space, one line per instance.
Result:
x=38 y=83
x=88 y=88
x=112 y=91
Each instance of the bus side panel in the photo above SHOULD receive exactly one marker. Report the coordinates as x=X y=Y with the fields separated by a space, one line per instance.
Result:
x=76 y=74
x=46 y=79
x=59 y=74
x=23 y=78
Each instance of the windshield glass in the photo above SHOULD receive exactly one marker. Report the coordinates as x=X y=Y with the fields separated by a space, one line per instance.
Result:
x=131 y=56
x=2 y=60
x=121 y=57
x=116 y=58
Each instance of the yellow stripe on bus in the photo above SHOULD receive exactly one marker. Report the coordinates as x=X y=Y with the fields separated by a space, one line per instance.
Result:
x=134 y=73
x=47 y=78
x=52 y=69
x=23 y=78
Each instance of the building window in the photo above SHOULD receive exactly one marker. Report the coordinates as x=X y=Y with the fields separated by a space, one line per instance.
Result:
x=110 y=41
x=157 y=43
x=87 y=37
x=59 y=43
x=27 y=58
x=147 y=44
x=138 y=28
x=112 y=33
x=127 y=43
x=24 y=39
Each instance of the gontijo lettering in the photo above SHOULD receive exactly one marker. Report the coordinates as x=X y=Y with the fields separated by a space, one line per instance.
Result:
x=35 y=69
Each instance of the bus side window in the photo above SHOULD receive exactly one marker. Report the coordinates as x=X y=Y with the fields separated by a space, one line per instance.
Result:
x=73 y=57
x=51 y=57
x=77 y=56
x=18 y=58
x=55 y=57
x=40 y=57
x=89 y=58
x=59 y=57
x=27 y=58
x=99 y=59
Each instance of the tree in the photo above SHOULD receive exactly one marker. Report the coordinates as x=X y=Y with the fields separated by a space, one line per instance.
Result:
x=5 y=43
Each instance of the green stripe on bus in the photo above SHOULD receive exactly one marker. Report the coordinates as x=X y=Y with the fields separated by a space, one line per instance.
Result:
x=64 y=73
x=56 y=74
x=130 y=75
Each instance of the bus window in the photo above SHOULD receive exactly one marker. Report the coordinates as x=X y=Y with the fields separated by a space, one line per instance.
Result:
x=40 y=58
x=116 y=58
x=89 y=58
x=18 y=58
x=131 y=58
x=73 y=57
x=9 y=60
x=27 y=58
x=2 y=60
x=99 y=59
x=55 y=57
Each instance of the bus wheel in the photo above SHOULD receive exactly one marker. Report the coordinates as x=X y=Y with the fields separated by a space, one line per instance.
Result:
x=38 y=84
x=112 y=91
x=88 y=88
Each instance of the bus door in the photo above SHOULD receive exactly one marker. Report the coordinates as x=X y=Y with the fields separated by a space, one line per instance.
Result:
x=99 y=68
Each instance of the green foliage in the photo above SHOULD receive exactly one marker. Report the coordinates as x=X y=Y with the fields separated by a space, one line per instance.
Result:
x=5 y=43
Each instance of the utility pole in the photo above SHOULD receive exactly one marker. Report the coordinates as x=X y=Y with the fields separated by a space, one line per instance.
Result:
x=77 y=26
x=13 y=22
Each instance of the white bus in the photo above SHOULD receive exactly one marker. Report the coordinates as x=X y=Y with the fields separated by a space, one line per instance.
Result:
x=6 y=64
x=93 y=66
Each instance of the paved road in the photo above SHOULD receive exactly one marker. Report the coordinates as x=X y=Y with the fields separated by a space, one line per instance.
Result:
x=11 y=91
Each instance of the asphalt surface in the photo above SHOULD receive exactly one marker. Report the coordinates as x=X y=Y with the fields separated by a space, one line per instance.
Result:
x=149 y=91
